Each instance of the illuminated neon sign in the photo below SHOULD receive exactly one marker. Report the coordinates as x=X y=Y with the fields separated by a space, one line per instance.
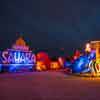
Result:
x=17 y=57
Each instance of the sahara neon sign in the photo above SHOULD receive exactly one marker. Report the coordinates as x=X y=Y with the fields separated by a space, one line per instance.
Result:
x=16 y=57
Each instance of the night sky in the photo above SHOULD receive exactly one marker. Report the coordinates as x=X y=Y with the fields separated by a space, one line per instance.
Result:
x=50 y=24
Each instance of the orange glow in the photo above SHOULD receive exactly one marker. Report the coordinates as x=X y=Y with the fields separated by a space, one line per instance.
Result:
x=54 y=65
x=40 y=66
x=88 y=47
x=20 y=44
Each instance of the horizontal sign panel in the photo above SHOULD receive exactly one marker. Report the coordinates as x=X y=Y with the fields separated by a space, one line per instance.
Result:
x=16 y=57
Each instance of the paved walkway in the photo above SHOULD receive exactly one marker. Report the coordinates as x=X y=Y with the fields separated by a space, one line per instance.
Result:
x=48 y=86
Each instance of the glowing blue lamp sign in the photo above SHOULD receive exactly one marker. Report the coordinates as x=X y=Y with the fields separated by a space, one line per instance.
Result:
x=16 y=58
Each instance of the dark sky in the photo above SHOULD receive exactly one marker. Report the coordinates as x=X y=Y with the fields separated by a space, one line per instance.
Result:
x=50 y=23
